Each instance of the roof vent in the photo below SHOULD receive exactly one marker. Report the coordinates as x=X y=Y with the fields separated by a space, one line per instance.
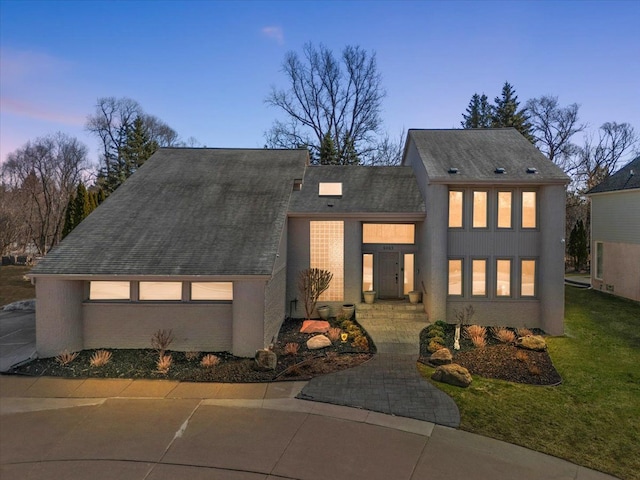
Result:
x=453 y=170
x=500 y=170
x=532 y=170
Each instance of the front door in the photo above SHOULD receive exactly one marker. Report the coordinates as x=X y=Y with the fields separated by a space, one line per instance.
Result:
x=389 y=267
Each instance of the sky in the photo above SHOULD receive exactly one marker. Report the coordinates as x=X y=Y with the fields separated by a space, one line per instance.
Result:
x=205 y=67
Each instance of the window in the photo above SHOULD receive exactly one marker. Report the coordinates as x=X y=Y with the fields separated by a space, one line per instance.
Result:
x=527 y=278
x=599 y=258
x=367 y=272
x=160 y=290
x=479 y=278
x=455 y=209
x=326 y=251
x=212 y=291
x=503 y=278
x=529 y=210
x=504 y=209
x=330 y=189
x=455 y=277
x=388 y=233
x=479 y=209
x=109 y=291
x=409 y=261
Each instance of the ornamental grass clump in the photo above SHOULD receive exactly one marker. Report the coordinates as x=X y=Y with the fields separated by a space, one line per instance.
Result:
x=164 y=364
x=503 y=335
x=100 y=358
x=209 y=361
x=334 y=334
x=291 y=348
x=161 y=340
x=66 y=357
x=477 y=334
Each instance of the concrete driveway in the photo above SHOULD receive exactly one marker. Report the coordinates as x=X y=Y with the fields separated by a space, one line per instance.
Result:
x=17 y=337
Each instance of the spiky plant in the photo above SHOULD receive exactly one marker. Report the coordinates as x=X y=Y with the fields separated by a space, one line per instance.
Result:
x=503 y=335
x=66 y=357
x=209 y=361
x=291 y=348
x=100 y=358
x=164 y=364
x=334 y=334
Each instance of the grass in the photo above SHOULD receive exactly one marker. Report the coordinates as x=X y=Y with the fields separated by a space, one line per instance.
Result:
x=13 y=286
x=593 y=418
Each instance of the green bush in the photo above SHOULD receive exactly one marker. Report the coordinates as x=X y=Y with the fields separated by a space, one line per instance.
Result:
x=441 y=324
x=435 y=332
x=439 y=340
x=434 y=346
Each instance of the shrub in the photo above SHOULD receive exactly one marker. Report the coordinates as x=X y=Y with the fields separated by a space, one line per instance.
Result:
x=435 y=332
x=439 y=340
x=354 y=330
x=441 y=324
x=100 y=358
x=311 y=283
x=361 y=343
x=477 y=334
x=503 y=335
x=209 y=361
x=164 y=364
x=191 y=355
x=161 y=340
x=523 y=332
x=434 y=346
x=291 y=348
x=66 y=357
x=334 y=334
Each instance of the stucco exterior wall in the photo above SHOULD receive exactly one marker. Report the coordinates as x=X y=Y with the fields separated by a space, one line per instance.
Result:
x=195 y=327
x=248 y=317
x=491 y=312
x=274 y=308
x=58 y=316
x=621 y=270
x=434 y=249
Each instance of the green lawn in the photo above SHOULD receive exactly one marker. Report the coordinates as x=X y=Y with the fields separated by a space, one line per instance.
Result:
x=593 y=418
x=13 y=286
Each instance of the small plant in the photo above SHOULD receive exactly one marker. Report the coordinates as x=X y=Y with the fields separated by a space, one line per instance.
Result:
x=524 y=332
x=161 y=341
x=164 y=364
x=311 y=283
x=503 y=335
x=440 y=323
x=291 y=348
x=192 y=356
x=477 y=334
x=100 y=358
x=434 y=346
x=435 y=332
x=66 y=357
x=334 y=334
x=522 y=356
x=439 y=340
x=361 y=343
x=534 y=370
x=209 y=361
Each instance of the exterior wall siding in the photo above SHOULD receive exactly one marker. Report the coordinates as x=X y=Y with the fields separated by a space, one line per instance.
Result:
x=615 y=217
x=274 y=309
x=512 y=313
x=621 y=270
x=197 y=327
x=248 y=317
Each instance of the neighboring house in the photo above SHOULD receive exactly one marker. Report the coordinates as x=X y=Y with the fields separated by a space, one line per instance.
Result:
x=615 y=232
x=209 y=243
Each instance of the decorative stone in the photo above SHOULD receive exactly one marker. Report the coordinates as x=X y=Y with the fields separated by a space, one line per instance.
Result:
x=317 y=342
x=532 y=342
x=266 y=360
x=453 y=374
x=315 y=326
x=441 y=357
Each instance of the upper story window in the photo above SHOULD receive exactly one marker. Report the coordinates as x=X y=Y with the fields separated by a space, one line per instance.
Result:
x=456 y=201
x=504 y=209
x=388 y=233
x=330 y=189
x=479 y=209
x=160 y=290
x=99 y=290
x=529 y=210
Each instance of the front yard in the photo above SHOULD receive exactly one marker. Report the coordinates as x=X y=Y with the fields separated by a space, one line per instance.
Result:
x=13 y=286
x=593 y=417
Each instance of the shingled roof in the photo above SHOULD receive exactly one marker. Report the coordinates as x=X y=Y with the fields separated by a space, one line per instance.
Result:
x=627 y=178
x=477 y=154
x=364 y=190
x=187 y=212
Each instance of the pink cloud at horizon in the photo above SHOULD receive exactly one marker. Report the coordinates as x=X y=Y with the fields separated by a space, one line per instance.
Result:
x=24 y=109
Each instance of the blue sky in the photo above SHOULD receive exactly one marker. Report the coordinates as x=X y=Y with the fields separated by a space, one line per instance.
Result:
x=205 y=67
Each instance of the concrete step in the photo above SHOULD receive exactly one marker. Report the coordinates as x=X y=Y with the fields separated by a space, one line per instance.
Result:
x=386 y=306
x=417 y=317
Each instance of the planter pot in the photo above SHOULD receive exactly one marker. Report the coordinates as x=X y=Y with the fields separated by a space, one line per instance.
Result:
x=414 y=297
x=348 y=310
x=325 y=312
x=369 y=296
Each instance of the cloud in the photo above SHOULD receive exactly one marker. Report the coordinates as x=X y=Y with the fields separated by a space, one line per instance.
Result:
x=274 y=33
x=19 y=66
x=25 y=109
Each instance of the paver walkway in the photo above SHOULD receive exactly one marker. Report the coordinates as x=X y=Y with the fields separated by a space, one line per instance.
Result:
x=389 y=382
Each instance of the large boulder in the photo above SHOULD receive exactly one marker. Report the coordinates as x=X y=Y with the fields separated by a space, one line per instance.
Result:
x=441 y=357
x=532 y=342
x=453 y=374
x=315 y=326
x=266 y=360
x=317 y=342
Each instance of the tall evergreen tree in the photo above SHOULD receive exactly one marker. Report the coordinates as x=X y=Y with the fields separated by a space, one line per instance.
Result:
x=78 y=208
x=349 y=154
x=577 y=248
x=506 y=112
x=479 y=113
x=328 y=152
x=138 y=146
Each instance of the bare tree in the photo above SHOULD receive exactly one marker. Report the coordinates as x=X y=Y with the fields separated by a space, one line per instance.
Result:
x=12 y=228
x=45 y=172
x=552 y=128
x=388 y=151
x=339 y=97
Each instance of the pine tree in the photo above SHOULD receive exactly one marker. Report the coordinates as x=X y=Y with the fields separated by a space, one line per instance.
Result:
x=69 y=217
x=479 y=112
x=78 y=208
x=577 y=248
x=138 y=147
x=507 y=114
x=328 y=152
x=349 y=153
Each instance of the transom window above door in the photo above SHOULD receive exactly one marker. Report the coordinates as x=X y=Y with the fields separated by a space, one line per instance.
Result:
x=402 y=233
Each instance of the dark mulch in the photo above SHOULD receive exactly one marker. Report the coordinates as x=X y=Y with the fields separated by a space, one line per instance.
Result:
x=141 y=363
x=499 y=361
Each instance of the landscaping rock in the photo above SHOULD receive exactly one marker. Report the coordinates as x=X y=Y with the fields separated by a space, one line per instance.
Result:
x=532 y=342
x=317 y=342
x=441 y=357
x=453 y=374
x=266 y=360
x=315 y=326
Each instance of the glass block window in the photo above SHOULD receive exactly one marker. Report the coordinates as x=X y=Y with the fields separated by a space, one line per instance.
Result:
x=211 y=290
x=100 y=290
x=326 y=251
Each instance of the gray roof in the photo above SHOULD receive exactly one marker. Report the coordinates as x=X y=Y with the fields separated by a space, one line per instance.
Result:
x=623 y=179
x=187 y=212
x=477 y=153
x=364 y=190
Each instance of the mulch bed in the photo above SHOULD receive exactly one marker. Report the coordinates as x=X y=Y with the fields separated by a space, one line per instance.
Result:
x=141 y=363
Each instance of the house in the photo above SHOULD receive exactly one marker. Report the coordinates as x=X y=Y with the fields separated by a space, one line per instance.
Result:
x=209 y=243
x=615 y=232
